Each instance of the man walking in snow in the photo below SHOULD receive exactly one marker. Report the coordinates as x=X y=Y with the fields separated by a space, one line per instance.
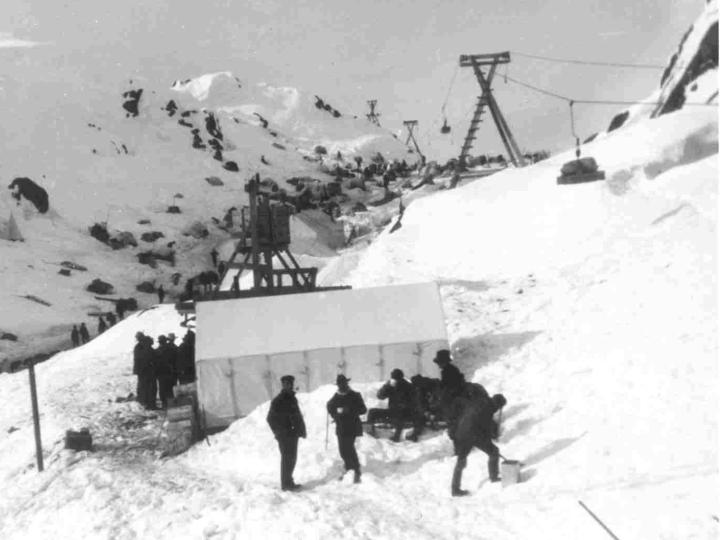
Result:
x=477 y=428
x=84 y=334
x=345 y=408
x=75 y=336
x=287 y=424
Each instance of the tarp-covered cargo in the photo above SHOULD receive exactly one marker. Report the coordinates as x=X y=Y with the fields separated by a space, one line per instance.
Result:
x=244 y=346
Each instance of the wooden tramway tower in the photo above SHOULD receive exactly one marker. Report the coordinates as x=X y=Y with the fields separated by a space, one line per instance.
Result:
x=411 y=125
x=265 y=237
x=486 y=99
x=373 y=116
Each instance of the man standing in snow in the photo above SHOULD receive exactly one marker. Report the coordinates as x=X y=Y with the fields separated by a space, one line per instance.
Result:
x=101 y=325
x=75 y=336
x=214 y=255
x=137 y=361
x=287 y=424
x=161 y=294
x=452 y=384
x=164 y=370
x=402 y=404
x=84 y=334
x=477 y=428
x=345 y=407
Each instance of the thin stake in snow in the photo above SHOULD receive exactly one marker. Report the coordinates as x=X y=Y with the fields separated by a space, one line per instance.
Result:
x=36 y=416
x=598 y=520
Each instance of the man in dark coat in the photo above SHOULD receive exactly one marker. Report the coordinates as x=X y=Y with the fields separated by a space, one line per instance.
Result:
x=147 y=388
x=452 y=384
x=101 y=325
x=137 y=361
x=111 y=320
x=186 y=359
x=75 y=336
x=214 y=255
x=403 y=404
x=477 y=428
x=345 y=407
x=164 y=370
x=287 y=424
x=84 y=334
x=161 y=294
x=120 y=309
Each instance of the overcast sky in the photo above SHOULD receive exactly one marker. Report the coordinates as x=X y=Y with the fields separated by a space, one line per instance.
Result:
x=403 y=53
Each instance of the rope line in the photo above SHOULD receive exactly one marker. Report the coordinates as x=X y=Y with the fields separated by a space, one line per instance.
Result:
x=600 y=101
x=588 y=62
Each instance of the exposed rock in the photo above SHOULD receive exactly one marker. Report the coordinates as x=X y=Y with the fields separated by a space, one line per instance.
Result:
x=212 y=125
x=618 y=120
x=24 y=187
x=197 y=229
x=151 y=236
x=99 y=286
x=214 y=181
x=146 y=287
x=132 y=99
x=279 y=146
x=320 y=150
x=173 y=209
x=171 y=107
x=36 y=299
x=73 y=266
x=231 y=166
x=8 y=336
x=122 y=239
x=144 y=222
x=64 y=272
x=99 y=232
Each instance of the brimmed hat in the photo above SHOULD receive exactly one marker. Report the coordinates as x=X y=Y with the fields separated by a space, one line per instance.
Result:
x=341 y=379
x=442 y=356
x=287 y=378
x=397 y=374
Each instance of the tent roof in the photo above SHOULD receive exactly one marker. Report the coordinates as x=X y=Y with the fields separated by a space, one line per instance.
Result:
x=319 y=320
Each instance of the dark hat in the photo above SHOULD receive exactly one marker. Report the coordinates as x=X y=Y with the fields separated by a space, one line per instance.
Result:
x=341 y=379
x=442 y=356
x=287 y=378
x=397 y=374
x=139 y=335
x=499 y=400
x=162 y=338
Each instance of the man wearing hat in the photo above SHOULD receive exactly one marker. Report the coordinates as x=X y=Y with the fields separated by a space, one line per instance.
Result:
x=345 y=407
x=137 y=360
x=402 y=404
x=287 y=424
x=450 y=376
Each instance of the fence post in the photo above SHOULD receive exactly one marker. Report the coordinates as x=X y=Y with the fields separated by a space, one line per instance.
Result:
x=36 y=417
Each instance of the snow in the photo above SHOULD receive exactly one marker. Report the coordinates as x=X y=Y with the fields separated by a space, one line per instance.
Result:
x=593 y=308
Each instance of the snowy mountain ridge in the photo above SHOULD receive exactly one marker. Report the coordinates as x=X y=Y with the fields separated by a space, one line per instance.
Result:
x=123 y=158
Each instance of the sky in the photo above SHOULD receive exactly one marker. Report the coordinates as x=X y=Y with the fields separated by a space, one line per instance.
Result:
x=402 y=53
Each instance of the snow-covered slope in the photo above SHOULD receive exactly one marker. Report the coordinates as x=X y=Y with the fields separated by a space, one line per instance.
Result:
x=593 y=308
x=123 y=155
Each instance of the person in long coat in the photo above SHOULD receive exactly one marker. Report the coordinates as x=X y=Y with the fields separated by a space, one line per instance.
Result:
x=287 y=424
x=476 y=428
x=146 y=368
x=345 y=408
x=101 y=325
x=84 y=334
x=137 y=362
x=164 y=370
x=75 y=336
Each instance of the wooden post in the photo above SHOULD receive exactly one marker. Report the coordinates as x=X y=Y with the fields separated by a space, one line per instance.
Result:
x=36 y=417
x=252 y=188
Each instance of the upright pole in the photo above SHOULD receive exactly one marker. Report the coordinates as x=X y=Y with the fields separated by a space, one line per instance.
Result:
x=36 y=417
x=252 y=193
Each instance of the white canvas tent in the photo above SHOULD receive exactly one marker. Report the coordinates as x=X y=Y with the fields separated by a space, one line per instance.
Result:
x=244 y=346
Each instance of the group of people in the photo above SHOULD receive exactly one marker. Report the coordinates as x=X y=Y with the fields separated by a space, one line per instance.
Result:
x=80 y=335
x=159 y=369
x=468 y=410
x=287 y=424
